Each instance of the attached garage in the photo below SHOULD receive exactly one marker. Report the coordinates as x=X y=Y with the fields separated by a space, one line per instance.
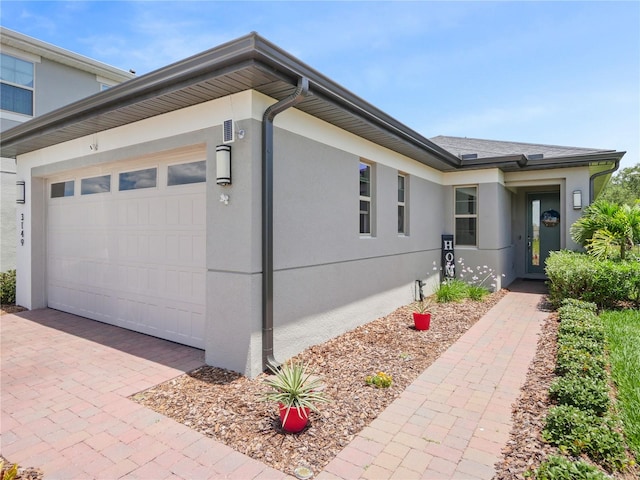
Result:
x=126 y=245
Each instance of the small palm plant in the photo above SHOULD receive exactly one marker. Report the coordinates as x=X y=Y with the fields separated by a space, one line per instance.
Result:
x=294 y=386
x=607 y=227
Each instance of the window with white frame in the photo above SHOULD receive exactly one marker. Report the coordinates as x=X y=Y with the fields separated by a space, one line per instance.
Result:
x=16 y=84
x=402 y=199
x=366 y=197
x=466 y=215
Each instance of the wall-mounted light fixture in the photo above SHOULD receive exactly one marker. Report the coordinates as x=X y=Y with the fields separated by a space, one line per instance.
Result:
x=223 y=164
x=577 y=199
x=21 y=193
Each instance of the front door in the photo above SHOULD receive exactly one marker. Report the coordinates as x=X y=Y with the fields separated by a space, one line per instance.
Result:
x=543 y=228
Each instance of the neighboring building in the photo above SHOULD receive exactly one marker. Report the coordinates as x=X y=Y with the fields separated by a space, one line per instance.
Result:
x=35 y=78
x=327 y=215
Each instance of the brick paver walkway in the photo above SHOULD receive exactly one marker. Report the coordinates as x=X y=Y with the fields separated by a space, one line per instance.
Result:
x=453 y=421
x=65 y=382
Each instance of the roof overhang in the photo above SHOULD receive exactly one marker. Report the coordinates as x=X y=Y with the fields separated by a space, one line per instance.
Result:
x=512 y=163
x=42 y=49
x=250 y=62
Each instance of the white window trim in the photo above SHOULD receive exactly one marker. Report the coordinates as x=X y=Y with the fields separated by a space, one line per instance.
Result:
x=21 y=117
x=404 y=204
x=466 y=215
x=370 y=199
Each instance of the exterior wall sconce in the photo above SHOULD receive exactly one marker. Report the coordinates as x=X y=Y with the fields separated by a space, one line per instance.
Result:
x=577 y=199
x=223 y=164
x=20 y=192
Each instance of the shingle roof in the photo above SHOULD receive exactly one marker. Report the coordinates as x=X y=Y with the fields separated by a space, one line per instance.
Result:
x=495 y=148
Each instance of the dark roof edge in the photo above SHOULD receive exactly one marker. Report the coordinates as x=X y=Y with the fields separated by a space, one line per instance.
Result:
x=523 y=163
x=238 y=52
x=127 y=92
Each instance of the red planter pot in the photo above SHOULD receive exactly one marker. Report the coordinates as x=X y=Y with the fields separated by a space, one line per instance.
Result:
x=296 y=420
x=421 y=320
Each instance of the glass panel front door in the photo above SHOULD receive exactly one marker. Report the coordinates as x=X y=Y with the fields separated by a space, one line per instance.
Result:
x=543 y=229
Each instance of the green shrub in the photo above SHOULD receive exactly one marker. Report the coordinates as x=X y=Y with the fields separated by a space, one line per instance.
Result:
x=572 y=342
x=582 y=327
x=453 y=290
x=582 y=392
x=581 y=363
x=581 y=304
x=580 y=276
x=578 y=314
x=8 y=287
x=561 y=468
x=576 y=431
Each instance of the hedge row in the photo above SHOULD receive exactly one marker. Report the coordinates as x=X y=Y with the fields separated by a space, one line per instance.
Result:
x=603 y=282
x=580 y=422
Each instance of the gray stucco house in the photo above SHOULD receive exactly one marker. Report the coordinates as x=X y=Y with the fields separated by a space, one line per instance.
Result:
x=37 y=77
x=241 y=202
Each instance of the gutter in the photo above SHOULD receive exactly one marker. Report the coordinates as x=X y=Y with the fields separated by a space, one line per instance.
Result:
x=268 y=359
x=593 y=177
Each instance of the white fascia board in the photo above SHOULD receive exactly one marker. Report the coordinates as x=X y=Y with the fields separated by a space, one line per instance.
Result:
x=318 y=130
x=169 y=124
x=541 y=177
x=35 y=47
x=16 y=52
x=470 y=177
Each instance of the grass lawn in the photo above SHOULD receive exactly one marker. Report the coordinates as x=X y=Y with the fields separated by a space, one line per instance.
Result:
x=623 y=338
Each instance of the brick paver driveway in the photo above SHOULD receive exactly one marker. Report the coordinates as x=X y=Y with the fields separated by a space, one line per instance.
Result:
x=65 y=408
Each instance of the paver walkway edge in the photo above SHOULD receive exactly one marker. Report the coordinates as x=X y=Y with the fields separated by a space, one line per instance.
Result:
x=63 y=413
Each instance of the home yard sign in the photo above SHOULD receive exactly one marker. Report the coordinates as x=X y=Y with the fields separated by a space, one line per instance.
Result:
x=448 y=264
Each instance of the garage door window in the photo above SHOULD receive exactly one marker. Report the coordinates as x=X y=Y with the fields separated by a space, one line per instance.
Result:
x=138 y=179
x=92 y=185
x=62 y=189
x=184 y=173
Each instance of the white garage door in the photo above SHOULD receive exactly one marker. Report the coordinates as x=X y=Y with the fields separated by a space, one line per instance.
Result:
x=126 y=246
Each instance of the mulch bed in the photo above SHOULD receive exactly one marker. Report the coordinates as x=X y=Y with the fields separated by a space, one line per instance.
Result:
x=227 y=406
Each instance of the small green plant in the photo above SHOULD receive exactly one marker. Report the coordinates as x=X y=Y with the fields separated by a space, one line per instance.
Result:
x=379 y=380
x=471 y=283
x=452 y=290
x=582 y=392
x=422 y=306
x=8 y=287
x=293 y=385
x=561 y=468
x=477 y=292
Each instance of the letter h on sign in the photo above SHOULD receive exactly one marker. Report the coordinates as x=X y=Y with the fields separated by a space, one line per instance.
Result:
x=448 y=260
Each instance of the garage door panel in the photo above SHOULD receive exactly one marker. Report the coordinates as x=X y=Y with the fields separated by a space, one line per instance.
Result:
x=135 y=259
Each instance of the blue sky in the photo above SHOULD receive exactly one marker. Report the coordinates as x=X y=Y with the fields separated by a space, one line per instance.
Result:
x=563 y=73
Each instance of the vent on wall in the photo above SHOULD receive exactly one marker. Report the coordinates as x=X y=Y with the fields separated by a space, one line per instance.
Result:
x=227 y=131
